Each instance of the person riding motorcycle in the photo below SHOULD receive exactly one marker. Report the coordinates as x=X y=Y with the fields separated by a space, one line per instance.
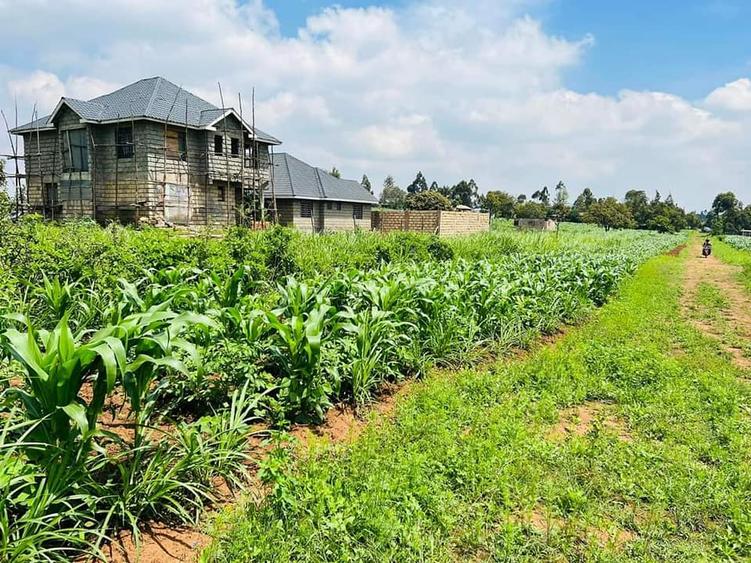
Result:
x=706 y=248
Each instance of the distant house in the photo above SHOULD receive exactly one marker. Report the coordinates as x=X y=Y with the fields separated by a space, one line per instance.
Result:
x=535 y=224
x=313 y=200
x=149 y=151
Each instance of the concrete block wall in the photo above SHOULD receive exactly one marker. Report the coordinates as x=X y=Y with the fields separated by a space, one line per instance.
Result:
x=417 y=221
x=431 y=222
x=463 y=223
x=335 y=219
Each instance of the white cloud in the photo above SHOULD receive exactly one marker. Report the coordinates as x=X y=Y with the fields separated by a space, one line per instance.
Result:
x=453 y=88
x=42 y=89
x=733 y=96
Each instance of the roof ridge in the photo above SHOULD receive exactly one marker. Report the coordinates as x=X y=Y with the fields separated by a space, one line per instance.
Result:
x=320 y=183
x=289 y=175
x=153 y=95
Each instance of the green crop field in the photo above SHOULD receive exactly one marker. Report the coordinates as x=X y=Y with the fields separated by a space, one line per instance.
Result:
x=146 y=375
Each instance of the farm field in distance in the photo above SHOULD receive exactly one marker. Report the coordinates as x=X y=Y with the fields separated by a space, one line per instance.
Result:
x=580 y=395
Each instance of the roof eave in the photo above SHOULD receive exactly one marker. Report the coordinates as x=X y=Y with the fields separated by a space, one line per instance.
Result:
x=210 y=127
x=342 y=200
x=24 y=130
x=58 y=107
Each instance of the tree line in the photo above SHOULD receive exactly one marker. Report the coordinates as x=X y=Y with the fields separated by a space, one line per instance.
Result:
x=421 y=196
x=637 y=210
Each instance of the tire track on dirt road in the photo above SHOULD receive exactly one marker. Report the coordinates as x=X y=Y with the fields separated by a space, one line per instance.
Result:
x=730 y=321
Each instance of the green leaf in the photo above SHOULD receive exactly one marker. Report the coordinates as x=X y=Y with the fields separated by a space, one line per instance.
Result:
x=77 y=413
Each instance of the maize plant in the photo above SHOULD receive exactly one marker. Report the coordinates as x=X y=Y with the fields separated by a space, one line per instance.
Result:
x=55 y=366
x=296 y=349
x=376 y=337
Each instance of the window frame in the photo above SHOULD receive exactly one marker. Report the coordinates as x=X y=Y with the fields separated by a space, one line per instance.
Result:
x=81 y=149
x=306 y=209
x=357 y=211
x=182 y=145
x=219 y=145
x=221 y=193
x=338 y=205
x=51 y=194
x=234 y=146
x=124 y=148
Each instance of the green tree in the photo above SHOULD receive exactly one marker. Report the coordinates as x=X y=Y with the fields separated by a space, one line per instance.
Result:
x=726 y=215
x=581 y=205
x=638 y=204
x=335 y=172
x=499 y=204
x=366 y=183
x=429 y=201
x=392 y=196
x=609 y=213
x=418 y=185
x=694 y=221
x=465 y=193
x=542 y=195
x=531 y=210
x=560 y=209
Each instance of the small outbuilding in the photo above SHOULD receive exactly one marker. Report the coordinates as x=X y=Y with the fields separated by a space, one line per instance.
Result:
x=313 y=200
x=535 y=224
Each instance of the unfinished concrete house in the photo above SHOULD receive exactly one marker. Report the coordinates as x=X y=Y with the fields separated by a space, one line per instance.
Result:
x=148 y=152
x=313 y=200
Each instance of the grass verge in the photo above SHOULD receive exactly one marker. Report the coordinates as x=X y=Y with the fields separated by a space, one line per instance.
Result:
x=627 y=439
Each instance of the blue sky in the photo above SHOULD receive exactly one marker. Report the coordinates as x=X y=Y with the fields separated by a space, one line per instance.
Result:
x=517 y=94
x=681 y=46
x=686 y=47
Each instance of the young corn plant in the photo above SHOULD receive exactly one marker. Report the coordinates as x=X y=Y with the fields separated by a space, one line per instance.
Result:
x=55 y=366
x=296 y=349
x=376 y=336
x=154 y=341
x=56 y=297
x=43 y=515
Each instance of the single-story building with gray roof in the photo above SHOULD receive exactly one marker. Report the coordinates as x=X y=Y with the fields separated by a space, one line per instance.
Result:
x=313 y=200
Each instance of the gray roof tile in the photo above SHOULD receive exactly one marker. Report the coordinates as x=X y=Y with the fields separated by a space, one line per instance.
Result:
x=295 y=179
x=152 y=98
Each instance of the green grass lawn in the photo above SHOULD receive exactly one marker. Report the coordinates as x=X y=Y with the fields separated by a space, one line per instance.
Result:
x=627 y=439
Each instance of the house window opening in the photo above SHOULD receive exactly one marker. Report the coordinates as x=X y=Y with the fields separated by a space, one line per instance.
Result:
x=76 y=146
x=124 y=142
x=357 y=211
x=218 y=144
x=235 y=146
x=306 y=208
x=222 y=193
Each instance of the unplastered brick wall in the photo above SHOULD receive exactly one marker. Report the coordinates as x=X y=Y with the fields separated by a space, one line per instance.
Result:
x=432 y=222
x=462 y=222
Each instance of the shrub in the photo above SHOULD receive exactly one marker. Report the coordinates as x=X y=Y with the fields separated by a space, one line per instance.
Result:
x=430 y=200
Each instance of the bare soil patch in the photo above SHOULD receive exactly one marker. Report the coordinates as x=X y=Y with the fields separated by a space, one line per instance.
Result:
x=159 y=544
x=344 y=422
x=584 y=418
x=677 y=250
x=544 y=522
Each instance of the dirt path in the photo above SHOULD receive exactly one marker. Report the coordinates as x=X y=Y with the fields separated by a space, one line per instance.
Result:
x=717 y=304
